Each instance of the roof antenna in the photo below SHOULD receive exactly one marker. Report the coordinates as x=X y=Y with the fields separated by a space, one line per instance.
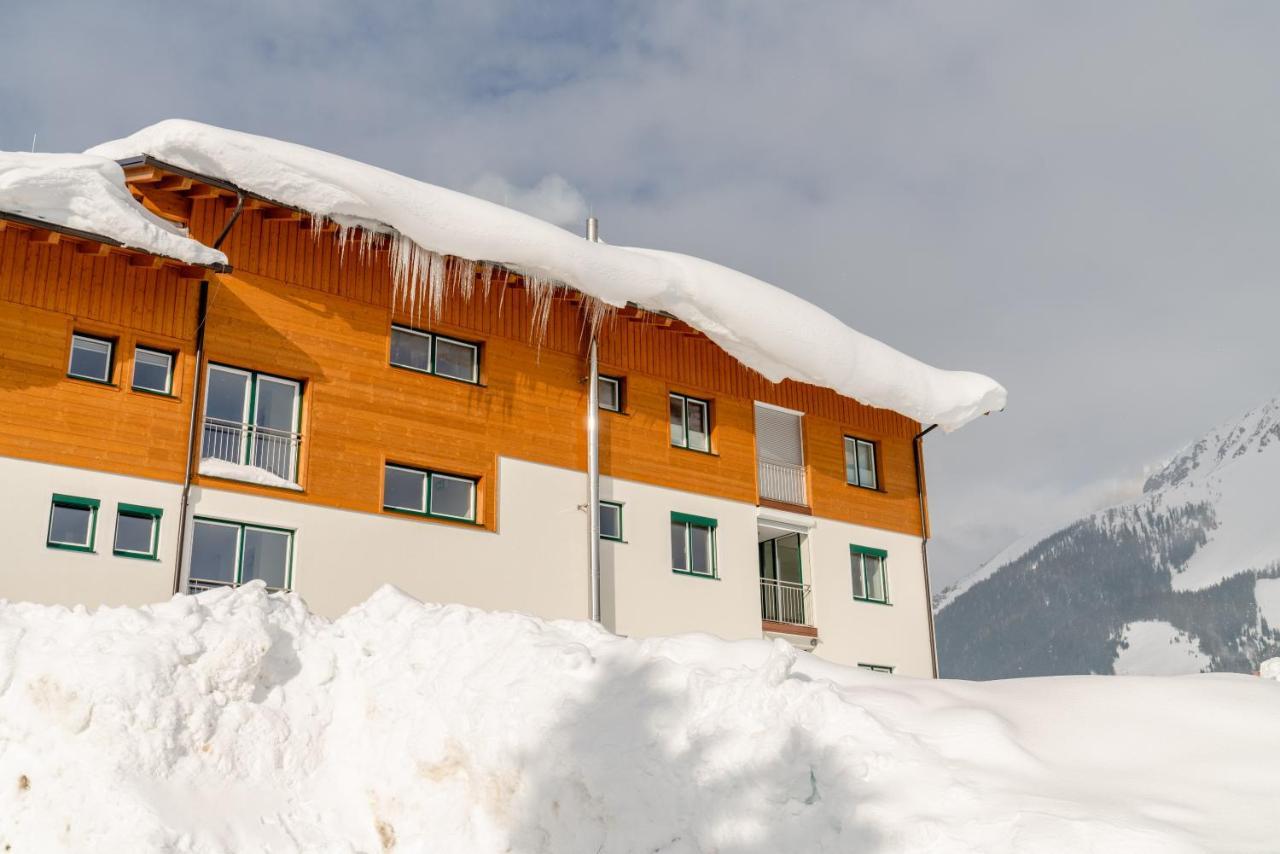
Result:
x=33 y=143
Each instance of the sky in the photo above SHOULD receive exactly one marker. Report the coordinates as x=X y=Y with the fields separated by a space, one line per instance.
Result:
x=1078 y=199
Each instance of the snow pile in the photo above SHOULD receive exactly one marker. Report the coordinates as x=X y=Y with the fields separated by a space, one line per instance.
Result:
x=211 y=467
x=88 y=193
x=1270 y=669
x=236 y=721
x=766 y=328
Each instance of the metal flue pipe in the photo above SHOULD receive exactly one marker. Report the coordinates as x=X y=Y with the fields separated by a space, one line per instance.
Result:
x=593 y=455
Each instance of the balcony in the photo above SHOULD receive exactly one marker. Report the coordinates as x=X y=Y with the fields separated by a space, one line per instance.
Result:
x=783 y=483
x=786 y=606
x=252 y=453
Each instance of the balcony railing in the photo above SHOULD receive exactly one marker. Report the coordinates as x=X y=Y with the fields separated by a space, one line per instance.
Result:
x=782 y=482
x=275 y=451
x=785 y=602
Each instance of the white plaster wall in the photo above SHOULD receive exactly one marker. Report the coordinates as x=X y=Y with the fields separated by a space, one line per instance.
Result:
x=31 y=571
x=536 y=563
x=853 y=632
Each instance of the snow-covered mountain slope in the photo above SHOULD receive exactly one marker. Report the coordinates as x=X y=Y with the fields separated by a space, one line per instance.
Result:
x=237 y=722
x=1198 y=551
x=89 y=194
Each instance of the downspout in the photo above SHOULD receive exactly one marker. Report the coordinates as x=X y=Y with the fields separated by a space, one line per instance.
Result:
x=202 y=314
x=917 y=445
x=593 y=455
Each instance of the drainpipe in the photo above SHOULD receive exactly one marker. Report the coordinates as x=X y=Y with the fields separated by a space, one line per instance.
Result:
x=202 y=314
x=917 y=445
x=593 y=455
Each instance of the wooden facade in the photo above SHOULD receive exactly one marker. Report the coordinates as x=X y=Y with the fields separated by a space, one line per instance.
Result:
x=302 y=306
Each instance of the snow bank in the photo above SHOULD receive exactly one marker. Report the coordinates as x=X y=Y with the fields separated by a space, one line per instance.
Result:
x=236 y=721
x=768 y=329
x=210 y=467
x=89 y=194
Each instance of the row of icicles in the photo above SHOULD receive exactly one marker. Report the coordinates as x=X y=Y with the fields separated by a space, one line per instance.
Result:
x=422 y=278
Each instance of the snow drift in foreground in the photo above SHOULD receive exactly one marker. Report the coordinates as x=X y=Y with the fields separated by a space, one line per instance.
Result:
x=236 y=721
x=766 y=328
x=89 y=194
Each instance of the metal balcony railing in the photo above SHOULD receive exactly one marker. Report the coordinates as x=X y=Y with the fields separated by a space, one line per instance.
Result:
x=786 y=602
x=275 y=451
x=782 y=482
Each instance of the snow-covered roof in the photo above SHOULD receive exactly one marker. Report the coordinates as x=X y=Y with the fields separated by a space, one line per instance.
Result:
x=88 y=194
x=766 y=328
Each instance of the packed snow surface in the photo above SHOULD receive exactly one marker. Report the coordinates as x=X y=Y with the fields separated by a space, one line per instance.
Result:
x=88 y=193
x=766 y=328
x=1157 y=648
x=211 y=467
x=236 y=721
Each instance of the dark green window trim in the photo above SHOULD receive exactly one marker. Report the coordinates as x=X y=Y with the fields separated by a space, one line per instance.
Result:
x=860 y=567
x=690 y=521
x=427 y=514
x=433 y=354
x=140 y=512
x=685 y=400
x=604 y=536
x=244 y=526
x=90 y=504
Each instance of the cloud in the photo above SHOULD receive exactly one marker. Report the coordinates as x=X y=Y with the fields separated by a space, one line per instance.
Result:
x=552 y=198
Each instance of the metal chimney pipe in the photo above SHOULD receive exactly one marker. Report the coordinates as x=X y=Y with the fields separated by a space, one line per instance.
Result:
x=593 y=455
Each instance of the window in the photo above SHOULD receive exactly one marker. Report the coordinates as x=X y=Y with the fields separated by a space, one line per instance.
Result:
x=610 y=521
x=72 y=523
x=152 y=371
x=428 y=493
x=609 y=393
x=90 y=358
x=876 y=668
x=860 y=462
x=435 y=354
x=137 y=531
x=870 y=583
x=252 y=419
x=228 y=554
x=693 y=545
x=690 y=424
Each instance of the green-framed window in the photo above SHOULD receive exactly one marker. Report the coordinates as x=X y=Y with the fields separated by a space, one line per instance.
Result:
x=609 y=393
x=228 y=554
x=435 y=354
x=690 y=422
x=252 y=418
x=870 y=575
x=429 y=493
x=152 y=370
x=611 y=521
x=876 y=668
x=137 y=532
x=693 y=545
x=860 y=463
x=73 y=523
x=91 y=358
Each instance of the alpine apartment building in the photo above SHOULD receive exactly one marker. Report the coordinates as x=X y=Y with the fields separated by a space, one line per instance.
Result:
x=169 y=427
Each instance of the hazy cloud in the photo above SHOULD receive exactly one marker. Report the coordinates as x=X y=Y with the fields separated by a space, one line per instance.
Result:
x=552 y=199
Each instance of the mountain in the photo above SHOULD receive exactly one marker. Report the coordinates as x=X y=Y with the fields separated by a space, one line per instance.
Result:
x=1184 y=578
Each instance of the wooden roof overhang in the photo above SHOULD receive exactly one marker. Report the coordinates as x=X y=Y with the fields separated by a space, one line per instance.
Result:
x=169 y=191
x=91 y=243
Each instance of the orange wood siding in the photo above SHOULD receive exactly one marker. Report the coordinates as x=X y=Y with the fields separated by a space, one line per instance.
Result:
x=47 y=292
x=300 y=307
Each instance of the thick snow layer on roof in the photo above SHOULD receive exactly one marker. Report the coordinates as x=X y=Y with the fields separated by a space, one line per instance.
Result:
x=88 y=193
x=236 y=721
x=766 y=328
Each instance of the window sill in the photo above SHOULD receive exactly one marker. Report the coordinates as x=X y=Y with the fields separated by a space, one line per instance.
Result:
x=70 y=548
x=91 y=381
x=689 y=574
x=867 y=488
x=866 y=601
x=470 y=523
x=605 y=539
x=165 y=394
x=421 y=372
x=695 y=451
x=134 y=556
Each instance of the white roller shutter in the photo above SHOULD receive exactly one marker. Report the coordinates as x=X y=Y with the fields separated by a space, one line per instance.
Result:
x=778 y=436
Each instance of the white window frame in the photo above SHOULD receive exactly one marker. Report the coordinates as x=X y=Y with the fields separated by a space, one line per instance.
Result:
x=851 y=445
x=616 y=506
x=433 y=354
x=395 y=327
x=858 y=567
x=168 y=372
x=111 y=355
x=616 y=382
x=685 y=400
x=238 y=571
